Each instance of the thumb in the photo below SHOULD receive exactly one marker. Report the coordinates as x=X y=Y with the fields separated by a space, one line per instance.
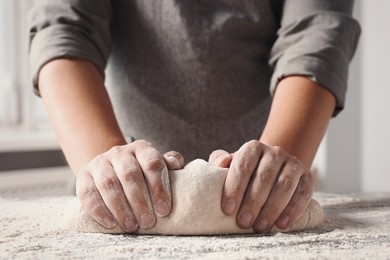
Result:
x=220 y=158
x=174 y=160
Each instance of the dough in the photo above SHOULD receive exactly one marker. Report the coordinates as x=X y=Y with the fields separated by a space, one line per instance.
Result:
x=196 y=194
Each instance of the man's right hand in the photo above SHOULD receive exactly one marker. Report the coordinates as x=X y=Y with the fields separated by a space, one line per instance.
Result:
x=128 y=186
x=117 y=183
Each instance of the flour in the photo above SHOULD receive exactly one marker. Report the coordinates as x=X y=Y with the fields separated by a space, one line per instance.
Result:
x=354 y=228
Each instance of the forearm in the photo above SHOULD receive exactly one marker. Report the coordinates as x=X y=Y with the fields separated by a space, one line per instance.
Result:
x=80 y=110
x=299 y=116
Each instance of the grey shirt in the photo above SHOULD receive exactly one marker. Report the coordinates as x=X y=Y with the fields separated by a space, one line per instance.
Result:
x=197 y=75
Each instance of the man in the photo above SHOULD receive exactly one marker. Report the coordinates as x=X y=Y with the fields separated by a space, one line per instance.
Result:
x=251 y=85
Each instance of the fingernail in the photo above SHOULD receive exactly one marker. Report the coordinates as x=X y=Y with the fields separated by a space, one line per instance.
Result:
x=162 y=207
x=245 y=219
x=284 y=220
x=172 y=159
x=224 y=161
x=147 y=220
x=219 y=159
x=229 y=206
x=109 y=222
x=174 y=162
x=130 y=224
x=262 y=224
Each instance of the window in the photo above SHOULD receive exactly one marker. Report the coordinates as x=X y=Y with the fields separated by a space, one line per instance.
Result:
x=23 y=120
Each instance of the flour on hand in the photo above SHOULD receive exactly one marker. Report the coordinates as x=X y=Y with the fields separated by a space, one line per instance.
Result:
x=196 y=193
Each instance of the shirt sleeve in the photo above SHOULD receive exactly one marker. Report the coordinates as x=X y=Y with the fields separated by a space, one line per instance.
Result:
x=317 y=39
x=69 y=29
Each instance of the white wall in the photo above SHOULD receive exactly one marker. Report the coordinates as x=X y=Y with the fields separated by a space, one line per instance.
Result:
x=356 y=153
x=376 y=95
x=8 y=92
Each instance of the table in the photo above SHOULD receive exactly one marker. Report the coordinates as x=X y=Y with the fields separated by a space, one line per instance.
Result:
x=354 y=227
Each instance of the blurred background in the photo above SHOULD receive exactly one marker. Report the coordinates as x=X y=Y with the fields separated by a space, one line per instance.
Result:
x=352 y=158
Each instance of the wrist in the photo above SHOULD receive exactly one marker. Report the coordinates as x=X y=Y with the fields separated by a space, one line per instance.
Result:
x=300 y=112
x=85 y=151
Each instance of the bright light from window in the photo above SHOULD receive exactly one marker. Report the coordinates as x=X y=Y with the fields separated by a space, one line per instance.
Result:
x=22 y=114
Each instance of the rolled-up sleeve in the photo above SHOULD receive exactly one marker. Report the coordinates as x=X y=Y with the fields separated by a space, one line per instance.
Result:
x=69 y=29
x=317 y=39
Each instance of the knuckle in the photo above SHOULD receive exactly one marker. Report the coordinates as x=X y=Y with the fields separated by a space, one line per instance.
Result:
x=121 y=210
x=269 y=210
x=141 y=142
x=158 y=191
x=309 y=176
x=99 y=161
x=292 y=206
x=305 y=193
x=155 y=165
x=254 y=146
x=278 y=151
x=253 y=204
x=306 y=190
x=285 y=183
x=129 y=173
x=252 y=142
x=244 y=168
x=84 y=187
x=108 y=183
x=295 y=163
x=266 y=176
x=307 y=179
x=267 y=165
x=116 y=149
x=84 y=192
x=294 y=167
x=96 y=208
x=296 y=205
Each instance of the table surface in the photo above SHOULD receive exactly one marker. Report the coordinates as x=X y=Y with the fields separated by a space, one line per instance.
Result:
x=354 y=227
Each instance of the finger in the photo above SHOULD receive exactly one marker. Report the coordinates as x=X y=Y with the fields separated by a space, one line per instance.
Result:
x=260 y=186
x=156 y=176
x=111 y=191
x=135 y=189
x=220 y=158
x=280 y=195
x=241 y=169
x=298 y=202
x=92 y=202
x=173 y=160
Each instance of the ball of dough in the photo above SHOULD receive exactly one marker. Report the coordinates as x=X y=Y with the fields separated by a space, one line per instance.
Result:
x=196 y=194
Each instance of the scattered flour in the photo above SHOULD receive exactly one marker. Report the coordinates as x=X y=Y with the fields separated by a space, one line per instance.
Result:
x=353 y=228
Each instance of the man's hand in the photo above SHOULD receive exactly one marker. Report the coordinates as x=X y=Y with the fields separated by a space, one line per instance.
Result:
x=128 y=185
x=265 y=185
x=117 y=183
